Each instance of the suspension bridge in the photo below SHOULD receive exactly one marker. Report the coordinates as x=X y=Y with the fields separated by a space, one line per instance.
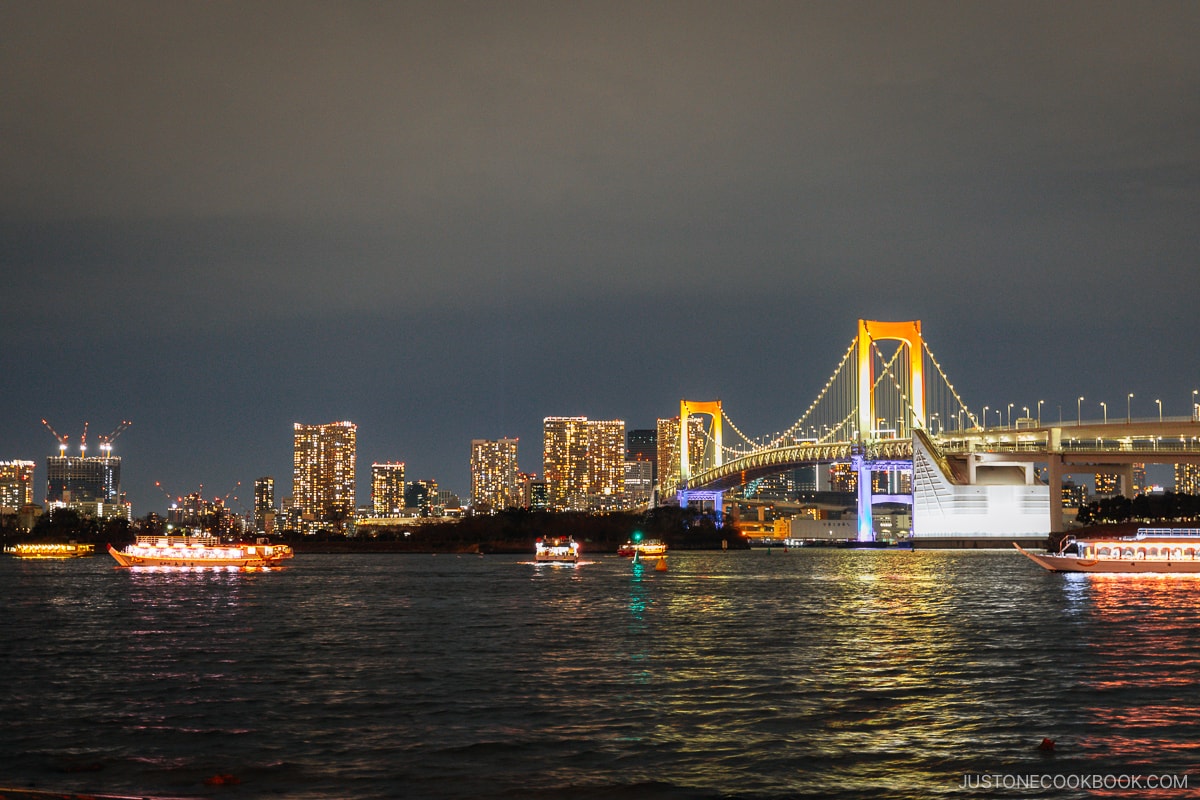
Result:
x=889 y=407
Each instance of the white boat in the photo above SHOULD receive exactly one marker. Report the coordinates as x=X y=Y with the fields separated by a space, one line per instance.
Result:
x=556 y=550
x=1160 y=550
x=198 y=551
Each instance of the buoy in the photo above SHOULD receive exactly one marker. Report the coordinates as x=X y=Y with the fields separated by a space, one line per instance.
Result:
x=1047 y=746
x=661 y=566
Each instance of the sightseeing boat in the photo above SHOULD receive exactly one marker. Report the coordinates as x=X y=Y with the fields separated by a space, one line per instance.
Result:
x=649 y=548
x=198 y=551
x=71 y=550
x=1166 y=550
x=556 y=550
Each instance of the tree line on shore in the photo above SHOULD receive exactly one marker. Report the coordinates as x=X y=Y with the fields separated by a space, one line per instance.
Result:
x=1168 y=507
x=512 y=531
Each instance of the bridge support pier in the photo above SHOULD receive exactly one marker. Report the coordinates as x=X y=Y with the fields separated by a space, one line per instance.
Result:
x=688 y=496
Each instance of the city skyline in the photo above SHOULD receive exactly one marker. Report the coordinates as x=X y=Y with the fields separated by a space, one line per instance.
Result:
x=446 y=222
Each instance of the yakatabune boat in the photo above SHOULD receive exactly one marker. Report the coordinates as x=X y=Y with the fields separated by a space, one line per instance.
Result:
x=557 y=550
x=1170 y=550
x=198 y=551
x=51 y=550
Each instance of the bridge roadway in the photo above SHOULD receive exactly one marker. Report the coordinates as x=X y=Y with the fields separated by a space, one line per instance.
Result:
x=1083 y=446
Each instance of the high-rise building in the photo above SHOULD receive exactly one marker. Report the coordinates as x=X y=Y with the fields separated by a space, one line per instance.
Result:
x=606 y=463
x=843 y=477
x=1140 y=484
x=583 y=462
x=83 y=479
x=422 y=495
x=668 y=449
x=1187 y=478
x=639 y=481
x=532 y=492
x=324 y=460
x=564 y=462
x=264 y=505
x=494 y=474
x=387 y=489
x=1106 y=483
x=16 y=485
x=642 y=445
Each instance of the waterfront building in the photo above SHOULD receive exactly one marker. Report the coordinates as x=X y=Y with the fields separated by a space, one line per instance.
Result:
x=387 y=489
x=668 y=442
x=90 y=485
x=264 y=505
x=324 y=460
x=1187 y=478
x=16 y=485
x=494 y=474
x=583 y=462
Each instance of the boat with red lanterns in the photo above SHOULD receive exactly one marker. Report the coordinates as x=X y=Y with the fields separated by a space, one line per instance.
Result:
x=199 y=551
x=1156 y=550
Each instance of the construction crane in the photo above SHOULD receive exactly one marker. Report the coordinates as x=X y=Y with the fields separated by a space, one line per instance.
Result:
x=83 y=441
x=106 y=441
x=62 y=440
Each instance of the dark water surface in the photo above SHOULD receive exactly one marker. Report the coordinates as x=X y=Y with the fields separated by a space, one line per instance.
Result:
x=818 y=673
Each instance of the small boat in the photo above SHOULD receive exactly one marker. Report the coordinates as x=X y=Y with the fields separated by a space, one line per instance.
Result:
x=648 y=548
x=1165 y=550
x=556 y=550
x=198 y=551
x=72 y=550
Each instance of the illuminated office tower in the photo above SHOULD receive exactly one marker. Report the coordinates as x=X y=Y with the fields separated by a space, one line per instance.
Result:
x=1139 y=478
x=264 y=505
x=668 y=449
x=387 y=489
x=583 y=462
x=16 y=485
x=1106 y=483
x=494 y=474
x=1187 y=478
x=532 y=492
x=843 y=477
x=323 y=461
x=639 y=481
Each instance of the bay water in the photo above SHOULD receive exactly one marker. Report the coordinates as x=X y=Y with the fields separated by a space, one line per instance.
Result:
x=763 y=674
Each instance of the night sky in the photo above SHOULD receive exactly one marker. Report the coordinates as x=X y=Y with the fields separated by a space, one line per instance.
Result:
x=446 y=221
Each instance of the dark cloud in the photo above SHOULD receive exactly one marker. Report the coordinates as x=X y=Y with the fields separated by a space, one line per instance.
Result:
x=449 y=219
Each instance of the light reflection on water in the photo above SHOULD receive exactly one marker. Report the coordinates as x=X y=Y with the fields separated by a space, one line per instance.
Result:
x=822 y=673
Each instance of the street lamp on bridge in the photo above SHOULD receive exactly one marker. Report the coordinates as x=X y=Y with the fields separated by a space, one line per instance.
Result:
x=985 y=410
x=1128 y=419
x=1159 y=409
x=1010 y=405
x=1104 y=406
x=1040 y=412
x=1079 y=411
x=1194 y=393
